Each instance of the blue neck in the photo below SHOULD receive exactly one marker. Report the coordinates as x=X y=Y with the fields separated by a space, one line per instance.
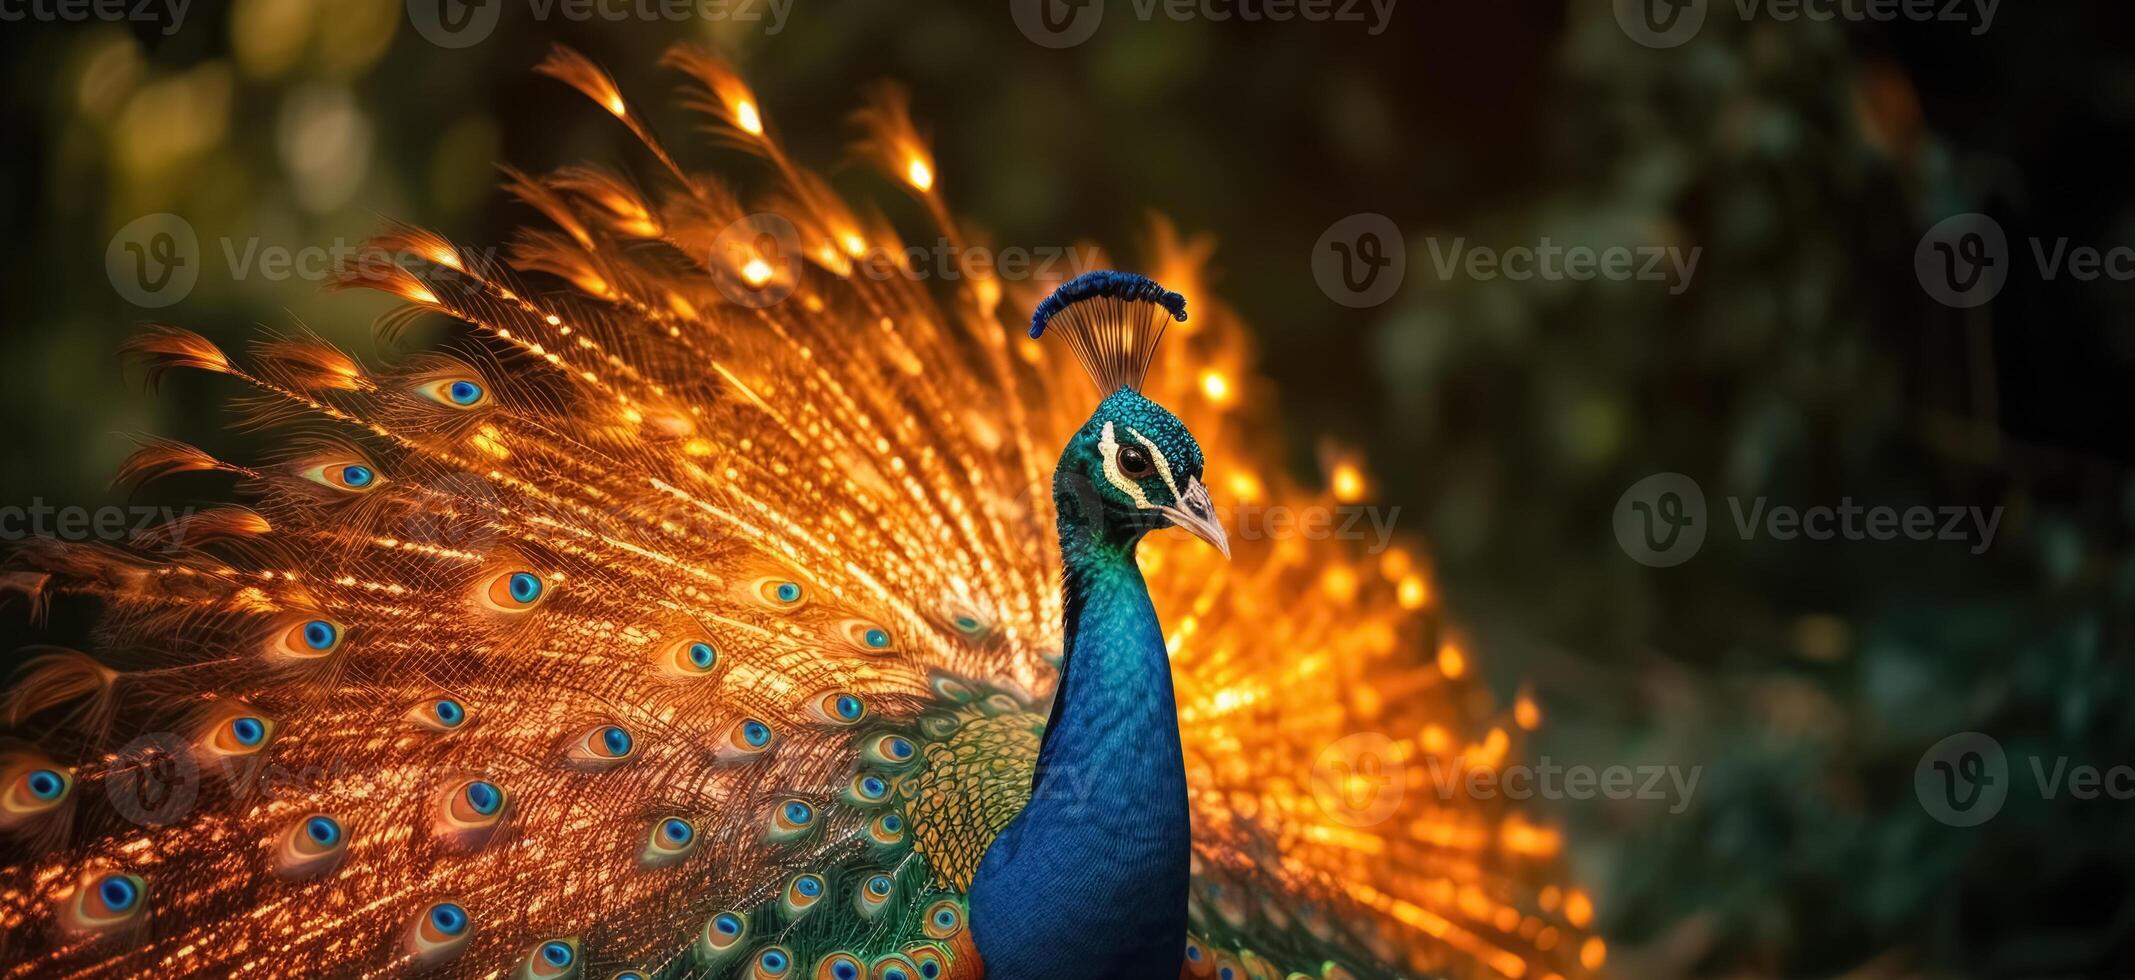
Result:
x=1092 y=876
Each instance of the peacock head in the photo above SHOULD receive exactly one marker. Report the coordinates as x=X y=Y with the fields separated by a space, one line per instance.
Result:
x=1133 y=467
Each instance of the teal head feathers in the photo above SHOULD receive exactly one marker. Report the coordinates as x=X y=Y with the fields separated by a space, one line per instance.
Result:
x=1133 y=467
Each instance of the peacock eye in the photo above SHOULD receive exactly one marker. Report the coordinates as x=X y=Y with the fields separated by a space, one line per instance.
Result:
x=352 y=476
x=671 y=840
x=439 y=931
x=1134 y=462
x=601 y=747
x=514 y=591
x=310 y=638
x=690 y=657
x=454 y=392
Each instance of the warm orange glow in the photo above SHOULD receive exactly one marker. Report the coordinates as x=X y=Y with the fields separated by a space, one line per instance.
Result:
x=1451 y=662
x=746 y=118
x=756 y=272
x=1526 y=713
x=1348 y=483
x=918 y=174
x=1578 y=909
x=1215 y=386
x=1412 y=593
x=1593 y=953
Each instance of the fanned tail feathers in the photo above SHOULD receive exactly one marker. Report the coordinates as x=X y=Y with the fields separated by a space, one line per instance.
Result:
x=695 y=618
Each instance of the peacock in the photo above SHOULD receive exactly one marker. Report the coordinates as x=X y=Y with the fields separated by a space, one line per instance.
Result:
x=710 y=601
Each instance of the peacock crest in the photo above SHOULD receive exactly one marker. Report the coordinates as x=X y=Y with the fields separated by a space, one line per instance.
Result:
x=693 y=611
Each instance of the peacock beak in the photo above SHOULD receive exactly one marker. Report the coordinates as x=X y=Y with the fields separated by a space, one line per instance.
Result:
x=1198 y=516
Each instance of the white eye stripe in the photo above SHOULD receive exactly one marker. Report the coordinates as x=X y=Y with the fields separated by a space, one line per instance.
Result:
x=1163 y=466
x=1108 y=446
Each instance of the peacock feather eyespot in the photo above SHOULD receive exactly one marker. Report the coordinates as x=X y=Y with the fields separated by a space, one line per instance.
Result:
x=310 y=846
x=931 y=961
x=939 y=725
x=803 y=892
x=839 y=707
x=839 y=965
x=105 y=900
x=869 y=638
x=944 y=919
x=236 y=732
x=454 y=392
x=348 y=475
x=791 y=819
x=886 y=830
x=867 y=789
x=874 y=894
x=601 y=747
x=471 y=810
x=439 y=714
x=953 y=689
x=549 y=959
x=748 y=738
x=629 y=975
x=440 y=930
x=771 y=963
x=309 y=637
x=890 y=750
x=895 y=967
x=34 y=787
x=689 y=658
x=780 y=593
x=670 y=840
x=722 y=932
x=515 y=590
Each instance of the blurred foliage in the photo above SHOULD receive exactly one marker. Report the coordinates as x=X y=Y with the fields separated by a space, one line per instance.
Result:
x=1804 y=364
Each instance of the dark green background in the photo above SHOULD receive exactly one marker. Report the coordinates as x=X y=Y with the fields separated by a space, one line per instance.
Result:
x=1804 y=363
